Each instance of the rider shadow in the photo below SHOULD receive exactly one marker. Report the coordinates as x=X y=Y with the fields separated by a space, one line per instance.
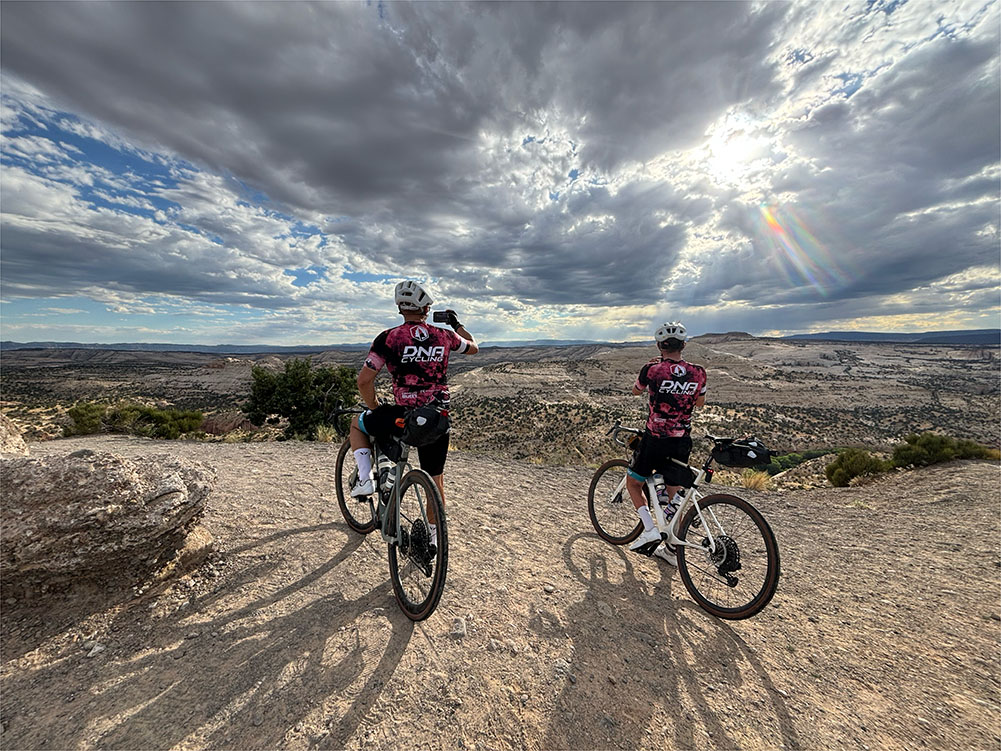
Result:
x=713 y=641
x=634 y=659
x=248 y=677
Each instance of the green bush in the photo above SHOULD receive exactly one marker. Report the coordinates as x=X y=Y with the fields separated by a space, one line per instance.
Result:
x=302 y=394
x=135 y=419
x=852 y=463
x=788 y=461
x=923 y=449
x=87 y=418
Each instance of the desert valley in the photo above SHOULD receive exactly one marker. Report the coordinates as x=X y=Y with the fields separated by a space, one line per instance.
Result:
x=883 y=633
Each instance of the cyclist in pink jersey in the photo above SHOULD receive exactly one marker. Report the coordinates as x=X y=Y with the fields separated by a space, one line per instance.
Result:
x=416 y=356
x=675 y=388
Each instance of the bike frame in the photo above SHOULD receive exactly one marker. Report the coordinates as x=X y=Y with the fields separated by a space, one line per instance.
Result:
x=692 y=497
x=400 y=469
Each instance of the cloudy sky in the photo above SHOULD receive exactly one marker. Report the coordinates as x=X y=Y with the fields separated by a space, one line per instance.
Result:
x=266 y=172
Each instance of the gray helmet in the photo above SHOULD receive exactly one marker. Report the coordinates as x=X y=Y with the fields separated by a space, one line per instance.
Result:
x=411 y=296
x=672 y=330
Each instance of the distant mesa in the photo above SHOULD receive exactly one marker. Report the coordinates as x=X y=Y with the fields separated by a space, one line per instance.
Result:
x=981 y=337
x=730 y=336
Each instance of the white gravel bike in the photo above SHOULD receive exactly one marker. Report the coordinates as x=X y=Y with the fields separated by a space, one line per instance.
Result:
x=727 y=555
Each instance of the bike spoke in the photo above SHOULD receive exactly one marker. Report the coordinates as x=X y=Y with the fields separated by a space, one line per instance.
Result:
x=737 y=577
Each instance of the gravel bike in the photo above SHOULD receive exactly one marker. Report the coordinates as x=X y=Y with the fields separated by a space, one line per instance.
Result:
x=401 y=506
x=727 y=555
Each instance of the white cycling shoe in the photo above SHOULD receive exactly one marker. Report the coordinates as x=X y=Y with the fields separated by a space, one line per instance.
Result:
x=362 y=489
x=665 y=553
x=645 y=543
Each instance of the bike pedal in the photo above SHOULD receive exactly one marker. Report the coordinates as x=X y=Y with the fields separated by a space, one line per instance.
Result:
x=648 y=549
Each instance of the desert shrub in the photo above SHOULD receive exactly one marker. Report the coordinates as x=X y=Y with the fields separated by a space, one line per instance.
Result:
x=135 y=419
x=139 y=419
x=301 y=394
x=755 y=480
x=923 y=449
x=790 y=460
x=852 y=463
x=87 y=418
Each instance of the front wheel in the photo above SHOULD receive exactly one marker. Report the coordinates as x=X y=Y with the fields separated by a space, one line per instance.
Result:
x=418 y=560
x=609 y=505
x=734 y=571
x=358 y=513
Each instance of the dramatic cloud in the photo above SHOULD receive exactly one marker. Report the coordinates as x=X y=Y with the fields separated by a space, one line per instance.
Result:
x=268 y=171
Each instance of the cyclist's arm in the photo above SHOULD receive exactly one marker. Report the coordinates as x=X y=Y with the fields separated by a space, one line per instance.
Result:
x=641 y=383
x=471 y=347
x=366 y=386
x=701 y=401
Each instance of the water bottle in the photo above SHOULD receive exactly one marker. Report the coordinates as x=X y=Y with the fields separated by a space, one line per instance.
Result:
x=387 y=472
x=667 y=504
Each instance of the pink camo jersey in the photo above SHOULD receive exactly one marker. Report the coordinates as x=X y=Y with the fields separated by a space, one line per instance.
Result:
x=674 y=386
x=416 y=356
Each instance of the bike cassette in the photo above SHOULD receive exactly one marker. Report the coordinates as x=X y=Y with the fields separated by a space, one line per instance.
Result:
x=419 y=552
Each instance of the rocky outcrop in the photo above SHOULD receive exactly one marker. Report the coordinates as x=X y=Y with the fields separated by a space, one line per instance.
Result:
x=11 y=441
x=226 y=422
x=96 y=516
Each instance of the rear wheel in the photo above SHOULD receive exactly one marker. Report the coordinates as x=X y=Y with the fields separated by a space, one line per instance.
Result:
x=609 y=505
x=734 y=575
x=358 y=513
x=417 y=561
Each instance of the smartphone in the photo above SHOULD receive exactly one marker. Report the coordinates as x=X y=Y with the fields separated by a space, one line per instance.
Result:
x=439 y=316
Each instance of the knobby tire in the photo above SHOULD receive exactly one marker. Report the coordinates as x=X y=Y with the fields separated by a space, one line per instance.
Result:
x=358 y=514
x=614 y=521
x=402 y=563
x=754 y=538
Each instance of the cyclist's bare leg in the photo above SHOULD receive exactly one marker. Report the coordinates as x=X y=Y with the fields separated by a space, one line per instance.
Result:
x=440 y=482
x=635 y=488
x=356 y=438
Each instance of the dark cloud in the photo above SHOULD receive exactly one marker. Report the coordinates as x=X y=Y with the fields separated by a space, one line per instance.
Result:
x=524 y=153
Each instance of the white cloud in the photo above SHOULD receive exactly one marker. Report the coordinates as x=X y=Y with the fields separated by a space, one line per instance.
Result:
x=549 y=166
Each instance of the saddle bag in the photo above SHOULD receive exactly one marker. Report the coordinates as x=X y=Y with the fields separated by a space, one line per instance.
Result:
x=741 y=452
x=425 y=425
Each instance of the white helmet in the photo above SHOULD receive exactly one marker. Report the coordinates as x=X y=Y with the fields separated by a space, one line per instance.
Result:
x=411 y=296
x=672 y=330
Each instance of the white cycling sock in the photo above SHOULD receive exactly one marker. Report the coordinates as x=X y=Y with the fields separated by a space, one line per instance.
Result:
x=363 y=458
x=644 y=514
x=433 y=531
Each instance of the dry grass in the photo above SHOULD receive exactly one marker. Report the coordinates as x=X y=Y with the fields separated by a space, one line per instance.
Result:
x=755 y=480
x=325 y=434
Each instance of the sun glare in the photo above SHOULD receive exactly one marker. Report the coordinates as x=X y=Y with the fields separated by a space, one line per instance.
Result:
x=734 y=149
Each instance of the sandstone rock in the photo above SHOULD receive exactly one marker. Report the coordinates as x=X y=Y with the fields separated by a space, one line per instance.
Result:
x=10 y=438
x=226 y=422
x=96 y=516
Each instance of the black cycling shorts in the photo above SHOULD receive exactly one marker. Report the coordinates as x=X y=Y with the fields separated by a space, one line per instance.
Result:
x=381 y=422
x=654 y=455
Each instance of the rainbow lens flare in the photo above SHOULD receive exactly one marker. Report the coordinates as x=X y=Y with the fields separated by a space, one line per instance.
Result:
x=798 y=252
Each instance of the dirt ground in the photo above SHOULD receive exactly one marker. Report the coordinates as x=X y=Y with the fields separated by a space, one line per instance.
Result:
x=884 y=633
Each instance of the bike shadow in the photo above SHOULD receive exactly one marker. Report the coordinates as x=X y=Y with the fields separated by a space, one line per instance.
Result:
x=246 y=677
x=645 y=662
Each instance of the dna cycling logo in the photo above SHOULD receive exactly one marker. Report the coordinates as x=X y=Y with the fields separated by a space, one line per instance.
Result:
x=419 y=333
x=689 y=388
x=678 y=370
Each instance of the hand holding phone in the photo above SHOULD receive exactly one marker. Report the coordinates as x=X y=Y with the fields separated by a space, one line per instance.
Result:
x=447 y=317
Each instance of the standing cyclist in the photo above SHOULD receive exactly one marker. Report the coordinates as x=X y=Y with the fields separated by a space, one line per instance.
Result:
x=675 y=387
x=416 y=356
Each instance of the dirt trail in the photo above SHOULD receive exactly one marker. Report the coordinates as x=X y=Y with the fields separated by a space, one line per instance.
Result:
x=884 y=633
